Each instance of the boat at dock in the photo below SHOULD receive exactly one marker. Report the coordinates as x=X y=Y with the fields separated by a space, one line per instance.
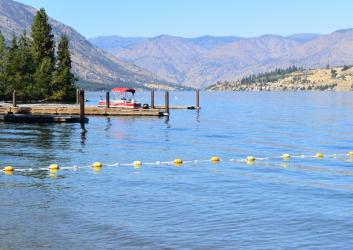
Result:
x=122 y=98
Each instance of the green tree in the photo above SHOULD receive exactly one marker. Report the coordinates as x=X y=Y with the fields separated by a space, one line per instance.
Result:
x=43 y=78
x=19 y=68
x=29 y=65
x=11 y=73
x=333 y=73
x=3 y=55
x=43 y=53
x=26 y=66
x=63 y=84
x=42 y=44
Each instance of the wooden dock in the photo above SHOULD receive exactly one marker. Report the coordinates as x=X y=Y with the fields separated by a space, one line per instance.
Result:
x=62 y=109
x=51 y=113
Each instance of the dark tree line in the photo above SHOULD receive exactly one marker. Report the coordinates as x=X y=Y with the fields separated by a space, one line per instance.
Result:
x=30 y=65
x=270 y=76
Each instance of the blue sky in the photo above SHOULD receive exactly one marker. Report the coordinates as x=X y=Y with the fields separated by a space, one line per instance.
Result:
x=191 y=18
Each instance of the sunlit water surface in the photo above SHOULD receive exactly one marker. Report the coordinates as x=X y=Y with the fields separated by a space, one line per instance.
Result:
x=303 y=203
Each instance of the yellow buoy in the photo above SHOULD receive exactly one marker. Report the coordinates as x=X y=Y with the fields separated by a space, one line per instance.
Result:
x=8 y=169
x=285 y=156
x=97 y=165
x=350 y=154
x=54 y=167
x=250 y=160
x=178 y=161
x=137 y=164
x=215 y=159
x=319 y=155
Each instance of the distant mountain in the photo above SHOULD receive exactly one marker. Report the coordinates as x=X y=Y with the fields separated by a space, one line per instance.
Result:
x=303 y=37
x=202 y=61
x=89 y=62
x=115 y=44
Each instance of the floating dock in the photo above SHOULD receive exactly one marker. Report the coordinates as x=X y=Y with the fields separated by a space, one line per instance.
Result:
x=53 y=113
x=63 y=109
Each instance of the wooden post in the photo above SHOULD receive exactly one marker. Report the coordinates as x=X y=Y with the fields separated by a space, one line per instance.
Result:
x=197 y=99
x=152 y=99
x=107 y=99
x=14 y=103
x=77 y=96
x=82 y=105
x=167 y=101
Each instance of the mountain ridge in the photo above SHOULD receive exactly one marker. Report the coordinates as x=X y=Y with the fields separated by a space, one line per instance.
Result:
x=201 y=61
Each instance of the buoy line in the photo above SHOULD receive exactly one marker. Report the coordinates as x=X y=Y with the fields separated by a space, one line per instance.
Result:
x=178 y=162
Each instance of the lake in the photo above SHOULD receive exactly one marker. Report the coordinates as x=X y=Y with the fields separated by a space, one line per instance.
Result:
x=302 y=203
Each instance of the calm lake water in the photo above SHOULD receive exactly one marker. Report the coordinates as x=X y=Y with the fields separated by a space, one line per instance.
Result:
x=303 y=203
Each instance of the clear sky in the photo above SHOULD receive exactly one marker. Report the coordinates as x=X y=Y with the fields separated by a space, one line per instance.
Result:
x=191 y=18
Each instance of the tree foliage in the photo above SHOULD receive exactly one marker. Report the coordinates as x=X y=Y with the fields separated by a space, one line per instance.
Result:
x=271 y=76
x=3 y=55
x=42 y=45
x=29 y=66
x=63 y=83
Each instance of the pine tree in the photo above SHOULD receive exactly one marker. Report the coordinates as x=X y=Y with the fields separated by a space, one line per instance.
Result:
x=29 y=65
x=19 y=69
x=11 y=73
x=63 y=55
x=42 y=44
x=3 y=55
x=43 y=78
x=63 y=84
x=26 y=66
x=43 y=53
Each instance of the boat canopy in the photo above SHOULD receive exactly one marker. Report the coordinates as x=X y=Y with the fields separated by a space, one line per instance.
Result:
x=123 y=90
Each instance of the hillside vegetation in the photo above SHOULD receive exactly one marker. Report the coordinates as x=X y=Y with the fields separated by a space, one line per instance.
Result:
x=336 y=79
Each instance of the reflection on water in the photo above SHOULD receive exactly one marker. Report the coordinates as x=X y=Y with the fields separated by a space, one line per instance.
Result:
x=302 y=203
x=83 y=133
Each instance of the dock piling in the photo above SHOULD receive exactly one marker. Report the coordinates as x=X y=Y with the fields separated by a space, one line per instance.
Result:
x=166 y=101
x=197 y=99
x=152 y=99
x=77 y=96
x=107 y=99
x=14 y=102
x=82 y=105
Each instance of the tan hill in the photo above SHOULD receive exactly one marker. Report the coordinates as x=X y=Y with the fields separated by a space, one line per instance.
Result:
x=336 y=79
x=89 y=62
x=202 y=61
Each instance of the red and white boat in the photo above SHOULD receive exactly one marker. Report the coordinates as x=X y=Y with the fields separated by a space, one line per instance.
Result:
x=122 y=98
